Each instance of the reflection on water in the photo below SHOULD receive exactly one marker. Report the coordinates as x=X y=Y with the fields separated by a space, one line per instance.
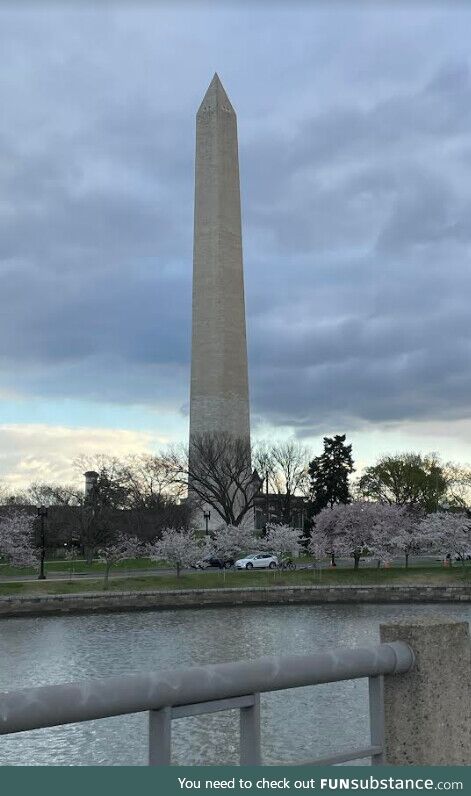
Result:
x=296 y=724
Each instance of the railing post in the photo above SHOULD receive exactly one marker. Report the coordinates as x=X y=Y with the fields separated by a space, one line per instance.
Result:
x=160 y=737
x=250 y=754
x=427 y=712
x=376 y=693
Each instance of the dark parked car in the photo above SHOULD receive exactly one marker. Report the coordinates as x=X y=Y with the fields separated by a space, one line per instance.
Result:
x=212 y=561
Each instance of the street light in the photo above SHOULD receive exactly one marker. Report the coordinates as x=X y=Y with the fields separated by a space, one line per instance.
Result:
x=207 y=517
x=42 y=514
x=267 y=503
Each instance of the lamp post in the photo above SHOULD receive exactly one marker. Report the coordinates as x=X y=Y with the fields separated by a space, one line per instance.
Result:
x=207 y=517
x=42 y=514
x=267 y=502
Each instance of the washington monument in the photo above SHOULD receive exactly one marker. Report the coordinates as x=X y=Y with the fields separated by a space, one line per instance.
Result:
x=219 y=399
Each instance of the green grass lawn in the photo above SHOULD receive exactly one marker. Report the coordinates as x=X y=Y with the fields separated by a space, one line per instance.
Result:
x=212 y=580
x=80 y=565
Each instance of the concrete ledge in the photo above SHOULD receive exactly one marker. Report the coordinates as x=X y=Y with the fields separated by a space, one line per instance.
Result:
x=104 y=602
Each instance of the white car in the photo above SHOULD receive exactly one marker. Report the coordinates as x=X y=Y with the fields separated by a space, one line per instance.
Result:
x=257 y=561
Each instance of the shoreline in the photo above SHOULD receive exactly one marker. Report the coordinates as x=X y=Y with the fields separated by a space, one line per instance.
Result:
x=152 y=600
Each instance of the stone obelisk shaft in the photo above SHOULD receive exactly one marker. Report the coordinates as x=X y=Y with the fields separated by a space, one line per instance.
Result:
x=219 y=400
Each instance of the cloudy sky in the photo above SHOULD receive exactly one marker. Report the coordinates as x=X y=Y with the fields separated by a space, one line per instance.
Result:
x=355 y=157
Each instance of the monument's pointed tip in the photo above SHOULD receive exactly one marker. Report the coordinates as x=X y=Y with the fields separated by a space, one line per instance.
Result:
x=215 y=97
x=216 y=81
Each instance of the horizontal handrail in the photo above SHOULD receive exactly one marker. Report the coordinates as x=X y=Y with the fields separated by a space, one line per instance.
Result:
x=334 y=760
x=48 y=706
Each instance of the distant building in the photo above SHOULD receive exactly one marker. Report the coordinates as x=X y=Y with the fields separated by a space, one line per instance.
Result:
x=271 y=508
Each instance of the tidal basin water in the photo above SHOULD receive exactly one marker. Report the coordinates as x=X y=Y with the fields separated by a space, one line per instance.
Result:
x=296 y=725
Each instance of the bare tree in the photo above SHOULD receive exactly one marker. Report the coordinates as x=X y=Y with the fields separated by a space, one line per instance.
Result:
x=286 y=464
x=217 y=470
x=39 y=493
x=264 y=461
x=151 y=481
x=152 y=495
x=136 y=494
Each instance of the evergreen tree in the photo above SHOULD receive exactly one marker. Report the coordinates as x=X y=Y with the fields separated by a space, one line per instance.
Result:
x=329 y=474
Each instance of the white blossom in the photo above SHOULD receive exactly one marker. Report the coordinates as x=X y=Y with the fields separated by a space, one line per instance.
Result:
x=283 y=540
x=120 y=548
x=346 y=528
x=17 y=540
x=395 y=532
x=179 y=547
x=446 y=532
x=229 y=541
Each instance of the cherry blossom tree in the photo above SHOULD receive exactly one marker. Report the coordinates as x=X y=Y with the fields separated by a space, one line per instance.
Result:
x=178 y=546
x=347 y=529
x=447 y=533
x=283 y=540
x=229 y=541
x=120 y=549
x=17 y=539
x=396 y=531
x=384 y=529
x=319 y=544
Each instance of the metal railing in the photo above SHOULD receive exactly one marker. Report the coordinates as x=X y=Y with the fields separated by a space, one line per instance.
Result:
x=199 y=690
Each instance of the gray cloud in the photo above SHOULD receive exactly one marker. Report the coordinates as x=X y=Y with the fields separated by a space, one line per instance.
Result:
x=355 y=161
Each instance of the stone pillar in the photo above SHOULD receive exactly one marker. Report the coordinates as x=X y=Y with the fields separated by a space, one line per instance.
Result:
x=428 y=710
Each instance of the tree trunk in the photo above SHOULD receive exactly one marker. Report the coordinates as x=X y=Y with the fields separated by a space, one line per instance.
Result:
x=178 y=570
x=356 y=558
x=107 y=575
x=407 y=560
x=332 y=560
x=287 y=511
